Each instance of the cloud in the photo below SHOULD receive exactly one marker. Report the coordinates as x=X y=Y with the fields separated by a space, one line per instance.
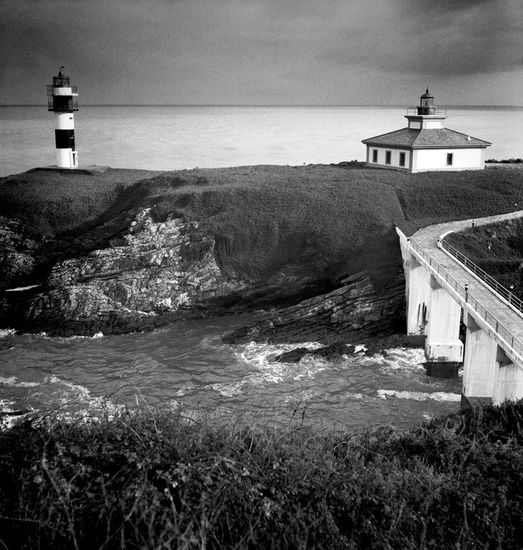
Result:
x=424 y=7
x=427 y=7
x=251 y=51
x=437 y=38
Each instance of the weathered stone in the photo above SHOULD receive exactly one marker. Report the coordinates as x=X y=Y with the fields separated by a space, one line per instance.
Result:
x=135 y=273
x=16 y=260
x=160 y=269
x=331 y=353
x=355 y=311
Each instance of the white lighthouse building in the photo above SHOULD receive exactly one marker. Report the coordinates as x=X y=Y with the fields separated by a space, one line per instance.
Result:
x=425 y=145
x=62 y=100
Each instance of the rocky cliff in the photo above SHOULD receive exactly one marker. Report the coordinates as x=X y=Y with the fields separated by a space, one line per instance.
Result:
x=355 y=311
x=313 y=247
x=156 y=272
x=147 y=275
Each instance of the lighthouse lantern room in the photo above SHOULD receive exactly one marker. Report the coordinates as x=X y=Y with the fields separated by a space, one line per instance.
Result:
x=62 y=100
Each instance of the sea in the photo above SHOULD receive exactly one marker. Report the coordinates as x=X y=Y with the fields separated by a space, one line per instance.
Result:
x=186 y=366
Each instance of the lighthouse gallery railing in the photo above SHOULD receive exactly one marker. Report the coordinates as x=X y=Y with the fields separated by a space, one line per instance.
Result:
x=501 y=331
x=432 y=111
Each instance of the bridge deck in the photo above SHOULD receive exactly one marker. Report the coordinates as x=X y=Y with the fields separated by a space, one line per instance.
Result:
x=482 y=302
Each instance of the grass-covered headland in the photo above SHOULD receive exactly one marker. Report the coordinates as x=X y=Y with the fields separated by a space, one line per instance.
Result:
x=255 y=237
x=155 y=480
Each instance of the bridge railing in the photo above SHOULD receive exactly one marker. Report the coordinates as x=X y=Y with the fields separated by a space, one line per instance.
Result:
x=502 y=332
x=504 y=292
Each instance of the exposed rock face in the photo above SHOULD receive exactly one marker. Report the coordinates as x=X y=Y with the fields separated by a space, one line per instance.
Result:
x=114 y=255
x=373 y=346
x=331 y=353
x=136 y=273
x=16 y=260
x=157 y=270
x=356 y=310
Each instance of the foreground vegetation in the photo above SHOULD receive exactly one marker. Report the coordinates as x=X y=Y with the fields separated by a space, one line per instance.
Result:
x=154 y=480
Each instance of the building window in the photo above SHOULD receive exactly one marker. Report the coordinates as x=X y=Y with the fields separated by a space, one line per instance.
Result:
x=374 y=155
x=388 y=156
x=402 y=159
x=450 y=159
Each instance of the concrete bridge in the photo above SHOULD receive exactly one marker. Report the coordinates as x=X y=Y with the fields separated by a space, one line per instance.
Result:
x=442 y=291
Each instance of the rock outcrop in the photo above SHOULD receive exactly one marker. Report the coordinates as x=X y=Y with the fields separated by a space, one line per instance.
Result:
x=153 y=272
x=16 y=253
x=358 y=309
x=156 y=270
x=330 y=353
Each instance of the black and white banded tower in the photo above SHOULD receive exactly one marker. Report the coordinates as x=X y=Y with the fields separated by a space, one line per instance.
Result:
x=62 y=100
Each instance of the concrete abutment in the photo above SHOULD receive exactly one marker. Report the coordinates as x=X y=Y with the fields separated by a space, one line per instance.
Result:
x=418 y=296
x=508 y=381
x=479 y=365
x=444 y=317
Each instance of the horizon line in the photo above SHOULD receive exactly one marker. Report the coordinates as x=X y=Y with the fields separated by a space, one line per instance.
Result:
x=287 y=105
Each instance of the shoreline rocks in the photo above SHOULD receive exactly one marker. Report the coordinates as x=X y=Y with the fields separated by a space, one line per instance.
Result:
x=151 y=273
x=338 y=350
x=358 y=309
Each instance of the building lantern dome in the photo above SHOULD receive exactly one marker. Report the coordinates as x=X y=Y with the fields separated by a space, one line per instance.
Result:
x=426 y=104
x=426 y=115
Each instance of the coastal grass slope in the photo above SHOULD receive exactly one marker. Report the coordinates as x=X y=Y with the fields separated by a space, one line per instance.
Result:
x=159 y=480
x=128 y=250
x=263 y=217
x=497 y=249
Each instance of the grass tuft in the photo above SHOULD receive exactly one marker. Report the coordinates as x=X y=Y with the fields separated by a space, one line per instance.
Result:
x=153 y=479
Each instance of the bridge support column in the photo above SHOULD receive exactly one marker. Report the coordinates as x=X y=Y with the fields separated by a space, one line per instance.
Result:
x=479 y=364
x=443 y=343
x=508 y=384
x=418 y=296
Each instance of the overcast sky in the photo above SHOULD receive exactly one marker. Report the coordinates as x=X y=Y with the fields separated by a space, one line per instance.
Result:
x=327 y=52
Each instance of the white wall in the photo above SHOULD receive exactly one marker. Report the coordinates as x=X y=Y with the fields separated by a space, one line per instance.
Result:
x=430 y=124
x=436 y=159
x=394 y=160
x=66 y=158
x=64 y=121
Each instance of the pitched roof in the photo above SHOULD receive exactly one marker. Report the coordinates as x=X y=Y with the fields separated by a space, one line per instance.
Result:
x=426 y=138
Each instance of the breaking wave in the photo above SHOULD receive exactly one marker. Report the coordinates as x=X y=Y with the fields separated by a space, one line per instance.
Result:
x=15 y=382
x=420 y=396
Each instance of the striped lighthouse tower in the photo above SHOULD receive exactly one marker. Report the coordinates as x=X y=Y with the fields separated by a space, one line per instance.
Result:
x=61 y=99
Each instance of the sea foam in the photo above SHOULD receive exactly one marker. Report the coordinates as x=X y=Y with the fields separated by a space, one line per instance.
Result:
x=420 y=396
x=15 y=382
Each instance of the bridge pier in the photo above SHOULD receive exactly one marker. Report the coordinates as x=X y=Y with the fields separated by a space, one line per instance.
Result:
x=489 y=375
x=444 y=316
x=508 y=384
x=418 y=296
x=479 y=364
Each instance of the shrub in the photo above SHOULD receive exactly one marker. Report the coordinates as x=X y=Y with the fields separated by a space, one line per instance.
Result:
x=156 y=480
